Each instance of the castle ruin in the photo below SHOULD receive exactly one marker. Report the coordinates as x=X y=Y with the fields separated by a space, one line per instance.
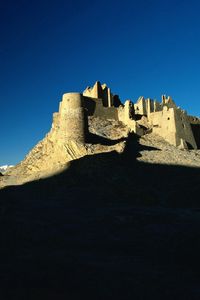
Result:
x=72 y=130
x=146 y=115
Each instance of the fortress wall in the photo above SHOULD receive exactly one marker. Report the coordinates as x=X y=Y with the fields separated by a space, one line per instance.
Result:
x=195 y=126
x=73 y=123
x=184 y=130
x=163 y=124
x=106 y=112
x=172 y=124
x=90 y=104
x=168 y=125
x=155 y=119
x=193 y=120
x=95 y=107
x=196 y=133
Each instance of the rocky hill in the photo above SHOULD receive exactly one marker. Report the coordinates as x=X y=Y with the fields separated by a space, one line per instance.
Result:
x=105 y=136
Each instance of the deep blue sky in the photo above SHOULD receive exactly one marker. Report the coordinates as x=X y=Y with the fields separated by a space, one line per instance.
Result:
x=47 y=48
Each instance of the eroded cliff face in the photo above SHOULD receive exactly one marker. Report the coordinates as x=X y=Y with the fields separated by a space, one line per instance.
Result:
x=54 y=154
x=64 y=142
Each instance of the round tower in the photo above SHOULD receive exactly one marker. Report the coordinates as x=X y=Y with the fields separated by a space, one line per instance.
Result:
x=73 y=118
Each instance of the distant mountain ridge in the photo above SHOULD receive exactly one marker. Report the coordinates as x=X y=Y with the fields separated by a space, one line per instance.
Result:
x=4 y=168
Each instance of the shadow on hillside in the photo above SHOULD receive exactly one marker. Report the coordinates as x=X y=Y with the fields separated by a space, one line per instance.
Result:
x=109 y=227
x=113 y=177
x=97 y=139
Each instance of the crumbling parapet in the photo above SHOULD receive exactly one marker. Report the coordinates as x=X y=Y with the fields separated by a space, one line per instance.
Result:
x=99 y=91
x=144 y=106
x=167 y=100
x=93 y=92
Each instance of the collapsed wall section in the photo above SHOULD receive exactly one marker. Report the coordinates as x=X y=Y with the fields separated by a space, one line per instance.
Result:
x=126 y=115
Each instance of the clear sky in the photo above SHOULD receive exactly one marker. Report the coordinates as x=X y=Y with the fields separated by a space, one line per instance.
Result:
x=47 y=48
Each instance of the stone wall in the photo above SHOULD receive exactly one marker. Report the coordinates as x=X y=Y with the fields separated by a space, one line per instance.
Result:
x=94 y=107
x=184 y=130
x=163 y=124
x=172 y=124
x=72 y=118
x=164 y=119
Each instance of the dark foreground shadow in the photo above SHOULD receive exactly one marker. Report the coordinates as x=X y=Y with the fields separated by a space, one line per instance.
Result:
x=109 y=227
